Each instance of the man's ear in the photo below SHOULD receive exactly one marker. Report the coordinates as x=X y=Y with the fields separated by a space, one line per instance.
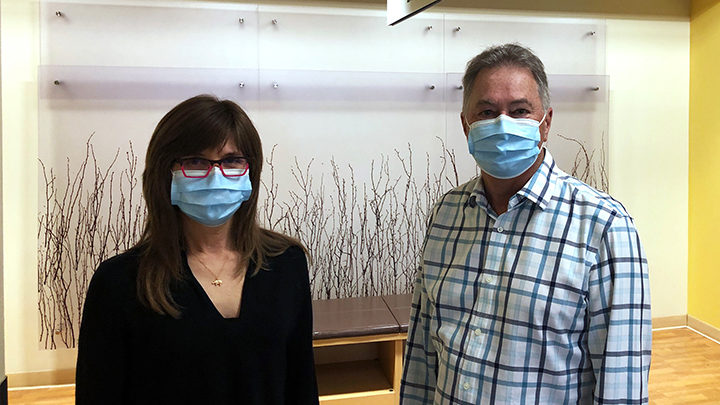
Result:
x=466 y=130
x=545 y=126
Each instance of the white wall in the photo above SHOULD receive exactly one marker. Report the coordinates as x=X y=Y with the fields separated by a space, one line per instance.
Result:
x=648 y=160
x=649 y=67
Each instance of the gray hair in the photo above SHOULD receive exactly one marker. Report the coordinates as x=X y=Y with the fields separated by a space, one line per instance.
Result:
x=507 y=55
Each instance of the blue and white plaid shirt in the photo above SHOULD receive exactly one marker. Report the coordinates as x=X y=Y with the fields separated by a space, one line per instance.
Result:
x=548 y=303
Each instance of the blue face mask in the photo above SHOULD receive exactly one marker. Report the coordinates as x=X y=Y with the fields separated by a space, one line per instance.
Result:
x=505 y=147
x=211 y=200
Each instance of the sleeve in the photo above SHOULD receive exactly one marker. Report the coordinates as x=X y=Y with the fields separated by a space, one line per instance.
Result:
x=420 y=365
x=620 y=324
x=100 y=374
x=301 y=386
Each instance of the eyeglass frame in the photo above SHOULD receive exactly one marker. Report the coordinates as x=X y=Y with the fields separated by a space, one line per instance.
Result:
x=212 y=164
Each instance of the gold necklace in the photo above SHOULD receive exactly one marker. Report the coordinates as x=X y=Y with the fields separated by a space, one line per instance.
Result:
x=217 y=282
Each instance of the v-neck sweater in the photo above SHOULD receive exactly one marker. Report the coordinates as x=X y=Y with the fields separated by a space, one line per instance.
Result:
x=128 y=354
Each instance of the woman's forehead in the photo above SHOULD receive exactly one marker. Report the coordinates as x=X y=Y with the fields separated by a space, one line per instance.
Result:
x=228 y=147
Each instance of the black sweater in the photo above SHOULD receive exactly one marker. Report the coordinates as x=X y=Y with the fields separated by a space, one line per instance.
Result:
x=128 y=354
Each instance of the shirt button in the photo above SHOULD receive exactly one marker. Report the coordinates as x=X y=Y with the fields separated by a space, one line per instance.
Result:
x=489 y=279
x=478 y=332
x=466 y=386
x=500 y=229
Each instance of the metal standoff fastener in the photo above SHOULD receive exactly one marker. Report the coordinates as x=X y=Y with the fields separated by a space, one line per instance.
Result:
x=456 y=29
x=431 y=87
x=241 y=20
x=57 y=82
x=594 y=88
x=592 y=33
x=59 y=13
x=242 y=84
x=274 y=21
x=275 y=85
x=460 y=87
x=429 y=27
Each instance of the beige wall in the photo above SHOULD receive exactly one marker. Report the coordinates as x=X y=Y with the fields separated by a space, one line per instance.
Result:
x=647 y=62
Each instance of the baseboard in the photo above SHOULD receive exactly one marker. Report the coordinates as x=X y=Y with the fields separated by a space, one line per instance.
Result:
x=41 y=378
x=670 y=322
x=4 y=391
x=704 y=328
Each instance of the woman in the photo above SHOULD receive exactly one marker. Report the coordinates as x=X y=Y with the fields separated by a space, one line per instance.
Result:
x=208 y=308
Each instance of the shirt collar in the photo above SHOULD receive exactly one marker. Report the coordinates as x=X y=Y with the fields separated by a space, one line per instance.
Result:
x=541 y=186
x=539 y=189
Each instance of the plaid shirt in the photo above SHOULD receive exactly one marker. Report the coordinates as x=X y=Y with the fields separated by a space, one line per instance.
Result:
x=548 y=303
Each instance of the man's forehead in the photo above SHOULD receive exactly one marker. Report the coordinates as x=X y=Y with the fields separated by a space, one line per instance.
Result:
x=509 y=83
x=519 y=101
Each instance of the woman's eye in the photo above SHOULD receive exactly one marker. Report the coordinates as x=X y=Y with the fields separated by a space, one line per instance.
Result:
x=234 y=162
x=487 y=113
x=194 y=163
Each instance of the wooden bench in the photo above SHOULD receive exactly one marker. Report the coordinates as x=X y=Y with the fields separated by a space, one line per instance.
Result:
x=359 y=345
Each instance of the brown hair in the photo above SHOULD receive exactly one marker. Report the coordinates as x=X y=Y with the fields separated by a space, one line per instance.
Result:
x=198 y=124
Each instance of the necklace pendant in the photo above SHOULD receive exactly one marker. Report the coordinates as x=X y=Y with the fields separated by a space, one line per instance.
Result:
x=217 y=282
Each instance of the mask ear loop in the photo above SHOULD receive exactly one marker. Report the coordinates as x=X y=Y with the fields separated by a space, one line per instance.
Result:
x=543 y=119
x=544 y=144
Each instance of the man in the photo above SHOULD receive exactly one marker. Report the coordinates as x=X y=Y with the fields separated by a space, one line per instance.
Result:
x=534 y=286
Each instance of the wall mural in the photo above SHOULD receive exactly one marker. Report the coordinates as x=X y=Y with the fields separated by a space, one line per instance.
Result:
x=357 y=149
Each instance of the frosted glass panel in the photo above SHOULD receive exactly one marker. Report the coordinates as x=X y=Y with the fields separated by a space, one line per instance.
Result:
x=563 y=88
x=564 y=47
x=356 y=124
x=133 y=83
x=578 y=88
x=321 y=86
x=109 y=35
x=349 y=43
x=579 y=134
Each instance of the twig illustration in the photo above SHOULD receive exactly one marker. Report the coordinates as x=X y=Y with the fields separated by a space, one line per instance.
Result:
x=587 y=168
x=364 y=239
x=80 y=226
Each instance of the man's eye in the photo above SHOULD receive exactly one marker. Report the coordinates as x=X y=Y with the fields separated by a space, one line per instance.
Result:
x=521 y=112
x=487 y=113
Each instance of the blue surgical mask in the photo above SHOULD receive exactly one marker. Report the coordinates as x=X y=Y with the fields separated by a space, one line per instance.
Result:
x=505 y=147
x=211 y=200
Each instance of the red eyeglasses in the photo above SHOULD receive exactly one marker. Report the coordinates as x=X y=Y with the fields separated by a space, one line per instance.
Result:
x=198 y=168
